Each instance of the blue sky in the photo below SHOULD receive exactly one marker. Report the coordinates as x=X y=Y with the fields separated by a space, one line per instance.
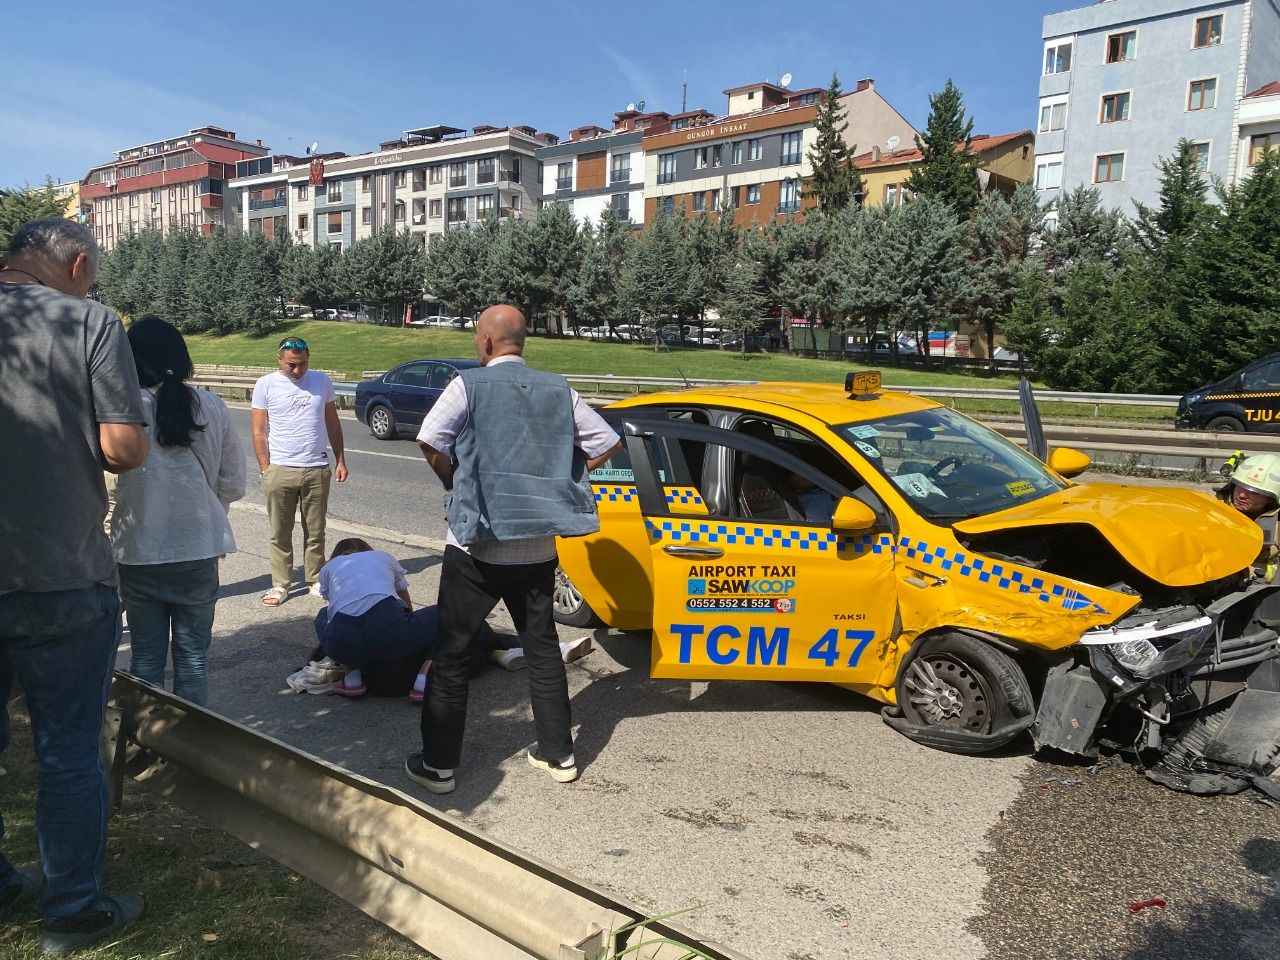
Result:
x=97 y=77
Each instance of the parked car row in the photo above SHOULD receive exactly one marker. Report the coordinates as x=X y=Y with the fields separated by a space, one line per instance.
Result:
x=443 y=321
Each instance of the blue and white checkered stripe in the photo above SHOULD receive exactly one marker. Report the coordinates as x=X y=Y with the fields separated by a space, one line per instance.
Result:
x=1003 y=576
x=610 y=493
x=777 y=538
x=685 y=496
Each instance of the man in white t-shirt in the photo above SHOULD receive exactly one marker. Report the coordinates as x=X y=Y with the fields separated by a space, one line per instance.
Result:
x=293 y=415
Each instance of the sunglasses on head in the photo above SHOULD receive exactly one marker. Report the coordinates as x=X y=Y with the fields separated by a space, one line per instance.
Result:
x=293 y=343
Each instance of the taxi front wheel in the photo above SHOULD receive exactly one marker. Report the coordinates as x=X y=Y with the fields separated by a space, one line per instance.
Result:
x=958 y=684
x=567 y=605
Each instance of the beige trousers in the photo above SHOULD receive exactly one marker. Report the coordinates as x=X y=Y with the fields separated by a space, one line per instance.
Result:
x=287 y=489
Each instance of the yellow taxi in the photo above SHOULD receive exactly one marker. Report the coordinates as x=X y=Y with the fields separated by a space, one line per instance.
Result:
x=882 y=541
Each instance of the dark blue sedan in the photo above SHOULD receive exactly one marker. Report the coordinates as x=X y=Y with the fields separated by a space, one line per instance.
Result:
x=400 y=398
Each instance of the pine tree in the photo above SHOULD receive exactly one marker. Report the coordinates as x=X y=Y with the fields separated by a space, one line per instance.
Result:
x=655 y=277
x=256 y=303
x=550 y=252
x=141 y=287
x=384 y=272
x=1084 y=230
x=1183 y=203
x=593 y=298
x=835 y=182
x=1004 y=233
x=179 y=250
x=309 y=275
x=741 y=299
x=25 y=204
x=948 y=170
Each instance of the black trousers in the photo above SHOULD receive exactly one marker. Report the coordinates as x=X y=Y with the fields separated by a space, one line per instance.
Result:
x=469 y=590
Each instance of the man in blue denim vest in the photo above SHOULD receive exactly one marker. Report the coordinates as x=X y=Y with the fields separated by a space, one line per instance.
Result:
x=70 y=407
x=513 y=446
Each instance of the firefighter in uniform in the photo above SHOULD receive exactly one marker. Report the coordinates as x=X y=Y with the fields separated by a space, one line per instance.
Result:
x=1254 y=490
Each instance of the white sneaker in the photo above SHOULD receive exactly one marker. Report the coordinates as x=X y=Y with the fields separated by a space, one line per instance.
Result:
x=512 y=659
x=571 y=650
x=314 y=591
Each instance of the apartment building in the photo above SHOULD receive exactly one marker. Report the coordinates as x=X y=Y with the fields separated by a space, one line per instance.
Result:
x=757 y=155
x=1004 y=161
x=164 y=185
x=426 y=181
x=1123 y=80
x=258 y=199
x=1259 y=121
x=598 y=169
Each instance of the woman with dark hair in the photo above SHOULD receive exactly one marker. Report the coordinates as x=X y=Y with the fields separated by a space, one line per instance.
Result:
x=170 y=524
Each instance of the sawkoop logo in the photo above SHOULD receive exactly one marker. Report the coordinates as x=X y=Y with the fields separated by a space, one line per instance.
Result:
x=700 y=587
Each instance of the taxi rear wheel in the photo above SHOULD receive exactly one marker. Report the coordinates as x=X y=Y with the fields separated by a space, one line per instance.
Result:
x=567 y=604
x=1224 y=425
x=960 y=682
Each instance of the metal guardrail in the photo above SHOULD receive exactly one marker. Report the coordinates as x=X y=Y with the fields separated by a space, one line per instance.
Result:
x=429 y=876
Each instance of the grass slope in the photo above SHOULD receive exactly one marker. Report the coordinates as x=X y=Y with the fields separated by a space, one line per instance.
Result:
x=353 y=347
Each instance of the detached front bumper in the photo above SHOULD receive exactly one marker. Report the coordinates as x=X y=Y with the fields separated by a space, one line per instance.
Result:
x=1160 y=673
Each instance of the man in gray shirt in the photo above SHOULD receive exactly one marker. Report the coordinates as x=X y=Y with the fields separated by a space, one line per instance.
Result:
x=70 y=408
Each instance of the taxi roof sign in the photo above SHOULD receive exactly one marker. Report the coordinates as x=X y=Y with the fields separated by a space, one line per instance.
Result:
x=862 y=384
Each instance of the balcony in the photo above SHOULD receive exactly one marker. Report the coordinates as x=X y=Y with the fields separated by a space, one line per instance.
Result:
x=789 y=158
x=667 y=177
x=268 y=202
x=456 y=225
x=789 y=206
x=484 y=176
x=564 y=184
x=458 y=181
x=509 y=176
x=620 y=175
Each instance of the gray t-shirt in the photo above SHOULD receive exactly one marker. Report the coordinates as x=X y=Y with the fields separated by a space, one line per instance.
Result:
x=65 y=367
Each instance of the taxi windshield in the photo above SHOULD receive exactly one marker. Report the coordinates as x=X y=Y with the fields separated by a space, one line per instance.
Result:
x=949 y=467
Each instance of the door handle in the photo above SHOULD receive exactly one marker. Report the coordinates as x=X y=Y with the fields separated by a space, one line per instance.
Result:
x=702 y=553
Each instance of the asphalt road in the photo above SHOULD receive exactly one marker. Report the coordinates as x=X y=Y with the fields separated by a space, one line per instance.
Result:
x=803 y=826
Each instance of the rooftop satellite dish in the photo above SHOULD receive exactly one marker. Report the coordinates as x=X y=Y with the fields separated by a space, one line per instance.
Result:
x=315 y=145
x=892 y=143
x=630 y=107
x=785 y=81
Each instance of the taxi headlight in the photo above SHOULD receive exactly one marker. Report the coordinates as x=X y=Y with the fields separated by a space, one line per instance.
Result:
x=1150 y=649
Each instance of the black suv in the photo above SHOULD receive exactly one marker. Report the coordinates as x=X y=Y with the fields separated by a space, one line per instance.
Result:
x=1249 y=400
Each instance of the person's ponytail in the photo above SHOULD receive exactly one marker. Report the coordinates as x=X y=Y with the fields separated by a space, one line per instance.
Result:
x=163 y=362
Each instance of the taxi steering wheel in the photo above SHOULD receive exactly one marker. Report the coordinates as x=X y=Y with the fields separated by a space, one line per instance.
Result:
x=935 y=472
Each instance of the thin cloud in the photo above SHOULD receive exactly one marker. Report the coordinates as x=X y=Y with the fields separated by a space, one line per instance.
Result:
x=642 y=84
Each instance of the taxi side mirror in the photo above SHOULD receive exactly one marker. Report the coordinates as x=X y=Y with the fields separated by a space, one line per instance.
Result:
x=852 y=516
x=1067 y=462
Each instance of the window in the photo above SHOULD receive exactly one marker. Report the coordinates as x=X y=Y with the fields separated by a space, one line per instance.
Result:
x=715 y=199
x=700 y=158
x=335 y=246
x=789 y=200
x=302 y=221
x=437 y=173
x=1122 y=46
x=1208 y=31
x=753 y=150
x=435 y=209
x=699 y=202
x=365 y=182
x=717 y=155
x=301 y=191
x=753 y=193
x=457 y=174
x=414 y=375
x=1265 y=376
x=564 y=175
x=400 y=211
x=739 y=151
x=890 y=194
x=1200 y=150
x=620 y=204
x=1053 y=117
x=335 y=191
x=512 y=172
x=441 y=374
x=666 y=167
x=1049 y=175
x=515 y=201
x=419 y=179
x=1115 y=107
x=335 y=223
x=133 y=198
x=1261 y=144
x=791 y=147
x=457 y=209
x=399 y=179
x=620 y=168
x=736 y=195
x=1057 y=59
x=1108 y=168
x=485 y=170
x=419 y=212
x=484 y=206
x=668 y=205
x=366 y=216
x=1203 y=95
x=155 y=196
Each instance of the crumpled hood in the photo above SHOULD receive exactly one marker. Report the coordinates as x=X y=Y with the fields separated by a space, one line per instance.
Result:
x=1177 y=537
